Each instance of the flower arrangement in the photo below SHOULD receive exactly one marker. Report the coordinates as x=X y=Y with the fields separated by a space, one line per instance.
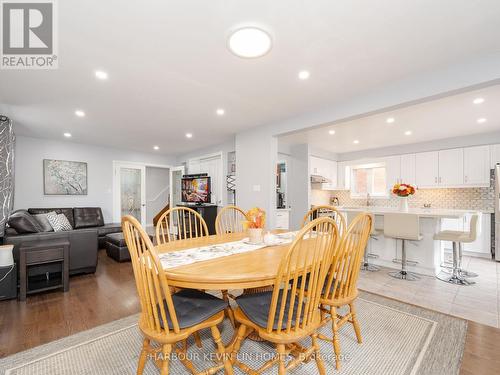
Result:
x=256 y=218
x=403 y=190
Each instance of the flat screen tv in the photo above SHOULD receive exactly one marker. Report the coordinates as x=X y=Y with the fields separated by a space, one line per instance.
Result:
x=195 y=189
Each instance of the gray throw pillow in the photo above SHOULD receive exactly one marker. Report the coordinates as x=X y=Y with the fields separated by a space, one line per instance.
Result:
x=59 y=222
x=44 y=221
x=22 y=222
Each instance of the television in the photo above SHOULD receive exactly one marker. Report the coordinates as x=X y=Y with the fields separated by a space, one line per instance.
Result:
x=195 y=188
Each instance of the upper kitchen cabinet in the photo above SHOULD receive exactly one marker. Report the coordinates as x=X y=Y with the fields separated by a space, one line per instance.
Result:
x=451 y=167
x=392 y=170
x=477 y=166
x=343 y=175
x=494 y=155
x=408 y=169
x=324 y=168
x=427 y=169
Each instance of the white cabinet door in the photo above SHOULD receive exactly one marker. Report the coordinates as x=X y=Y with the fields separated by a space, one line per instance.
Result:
x=494 y=155
x=451 y=167
x=282 y=220
x=408 y=169
x=314 y=165
x=343 y=176
x=427 y=169
x=477 y=166
x=392 y=171
x=331 y=175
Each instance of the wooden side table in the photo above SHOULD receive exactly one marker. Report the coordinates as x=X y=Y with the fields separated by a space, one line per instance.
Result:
x=35 y=253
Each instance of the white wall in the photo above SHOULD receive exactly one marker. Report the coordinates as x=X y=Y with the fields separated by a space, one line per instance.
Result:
x=30 y=152
x=157 y=191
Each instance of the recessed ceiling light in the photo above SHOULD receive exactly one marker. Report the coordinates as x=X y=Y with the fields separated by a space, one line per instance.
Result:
x=156 y=147
x=101 y=74
x=304 y=74
x=249 y=42
x=189 y=135
x=220 y=111
x=79 y=113
x=355 y=142
x=331 y=132
x=408 y=132
x=481 y=120
x=478 y=101
x=67 y=135
x=390 y=120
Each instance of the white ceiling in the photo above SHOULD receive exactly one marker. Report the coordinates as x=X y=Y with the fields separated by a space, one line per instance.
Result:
x=448 y=117
x=170 y=69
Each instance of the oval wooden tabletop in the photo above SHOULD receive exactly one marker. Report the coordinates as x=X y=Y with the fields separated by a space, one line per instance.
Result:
x=248 y=270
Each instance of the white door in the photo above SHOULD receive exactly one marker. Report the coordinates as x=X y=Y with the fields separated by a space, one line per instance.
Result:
x=408 y=169
x=427 y=169
x=129 y=191
x=451 y=167
x=477 y=165
x=176 y=174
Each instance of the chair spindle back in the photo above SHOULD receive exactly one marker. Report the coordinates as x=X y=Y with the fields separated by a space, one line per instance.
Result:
x=187 y=222
x=230 y=220
x=326 y=211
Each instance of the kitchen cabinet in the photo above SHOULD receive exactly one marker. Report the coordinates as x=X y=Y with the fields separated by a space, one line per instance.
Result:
x=494 y=155
x=282 y=219
x=427 y=169
x=408 y=169
x=451 y=167
x=392 y=171
x=477 y=166
x=343 y=175
x=325 y=168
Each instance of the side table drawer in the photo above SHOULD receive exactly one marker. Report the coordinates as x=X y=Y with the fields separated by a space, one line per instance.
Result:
x=42 y=256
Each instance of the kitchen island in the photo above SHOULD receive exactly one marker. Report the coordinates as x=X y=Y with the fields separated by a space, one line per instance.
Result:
x=428 y=253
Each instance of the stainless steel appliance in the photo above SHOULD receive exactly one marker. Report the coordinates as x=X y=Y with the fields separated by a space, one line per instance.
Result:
x=497 y=213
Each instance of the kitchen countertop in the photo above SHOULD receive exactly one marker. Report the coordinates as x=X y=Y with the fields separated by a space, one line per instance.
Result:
x=422 y=212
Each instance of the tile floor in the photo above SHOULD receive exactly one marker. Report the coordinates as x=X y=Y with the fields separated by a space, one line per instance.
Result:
x=479 y=302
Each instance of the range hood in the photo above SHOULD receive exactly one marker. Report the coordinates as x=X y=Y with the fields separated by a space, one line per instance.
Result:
x=317 y=179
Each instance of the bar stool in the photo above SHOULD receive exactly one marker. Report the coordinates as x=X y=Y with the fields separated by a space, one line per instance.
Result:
x=458 y=238
x=366 y=266
x=404 y=227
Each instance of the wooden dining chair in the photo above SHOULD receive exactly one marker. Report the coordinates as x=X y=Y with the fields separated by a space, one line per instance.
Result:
x=230 y=219
x=326 y=211
x=167 y=318
x=180 y=223
x=340 y=288
x=290 y=312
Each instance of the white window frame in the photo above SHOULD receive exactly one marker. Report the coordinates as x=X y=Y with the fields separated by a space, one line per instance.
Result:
x=384 y=195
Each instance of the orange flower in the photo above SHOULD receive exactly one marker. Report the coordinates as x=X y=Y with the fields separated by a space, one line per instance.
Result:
x=256 y=218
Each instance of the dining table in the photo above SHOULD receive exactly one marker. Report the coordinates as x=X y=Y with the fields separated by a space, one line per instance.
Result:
x=252 y=269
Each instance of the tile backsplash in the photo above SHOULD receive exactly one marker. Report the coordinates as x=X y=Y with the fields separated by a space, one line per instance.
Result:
x=480 y=199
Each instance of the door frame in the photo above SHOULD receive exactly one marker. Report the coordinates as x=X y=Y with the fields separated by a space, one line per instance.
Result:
x=171 y=181
x=116 y=186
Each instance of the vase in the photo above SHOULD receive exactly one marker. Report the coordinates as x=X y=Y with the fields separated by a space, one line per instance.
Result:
x=403 y=204
x=255 y=235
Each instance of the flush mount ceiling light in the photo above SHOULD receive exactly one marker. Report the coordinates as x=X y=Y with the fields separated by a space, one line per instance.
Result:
x=408 y=132
x=156 y=147
x=478 y=101
x=304 y=74
x=481 y=120
x=390 y=120
x=189 y=135
x=331 y=132
x=101 y=75
x=355 y=142
x=249 y=42
x=220 y=112
x=67 y=135
x=80 y=113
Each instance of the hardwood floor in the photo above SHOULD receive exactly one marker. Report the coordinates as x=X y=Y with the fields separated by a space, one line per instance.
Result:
x=110 y=294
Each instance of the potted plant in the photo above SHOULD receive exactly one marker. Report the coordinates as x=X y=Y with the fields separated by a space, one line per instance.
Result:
x=403 y=191
x=256 y=220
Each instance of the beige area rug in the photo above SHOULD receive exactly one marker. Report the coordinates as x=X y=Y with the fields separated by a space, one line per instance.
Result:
x=398 y=339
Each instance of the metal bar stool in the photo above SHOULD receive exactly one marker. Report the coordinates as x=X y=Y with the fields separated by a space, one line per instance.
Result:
x=366 y=266
x=404 y=227
x=458 y=238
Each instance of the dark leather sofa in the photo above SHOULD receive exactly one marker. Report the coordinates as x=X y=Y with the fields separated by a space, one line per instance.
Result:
x=85 y=239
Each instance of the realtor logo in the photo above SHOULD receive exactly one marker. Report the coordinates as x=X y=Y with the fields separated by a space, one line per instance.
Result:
x=28 y=34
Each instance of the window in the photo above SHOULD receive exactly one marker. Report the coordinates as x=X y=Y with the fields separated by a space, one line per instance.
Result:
x=369 y=179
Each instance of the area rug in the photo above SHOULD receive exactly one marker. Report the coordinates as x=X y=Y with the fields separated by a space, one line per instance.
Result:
x=398 y=338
